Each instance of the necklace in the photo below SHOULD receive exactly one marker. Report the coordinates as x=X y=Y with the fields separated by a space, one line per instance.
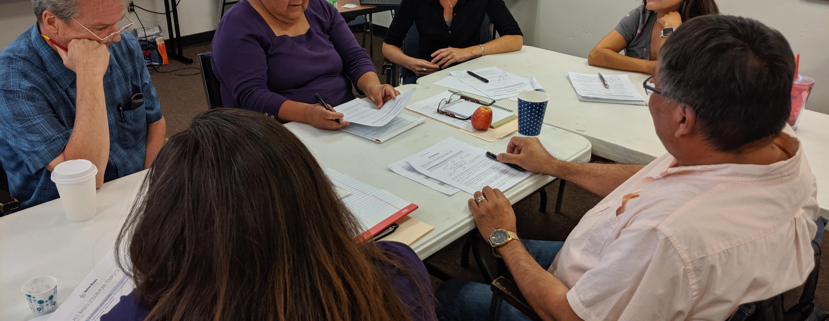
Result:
x=450 y=5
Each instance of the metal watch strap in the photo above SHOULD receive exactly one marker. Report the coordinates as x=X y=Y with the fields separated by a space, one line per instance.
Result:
x=510 y=236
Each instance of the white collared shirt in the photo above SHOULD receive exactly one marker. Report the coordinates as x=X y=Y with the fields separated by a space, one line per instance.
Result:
x=692 y=243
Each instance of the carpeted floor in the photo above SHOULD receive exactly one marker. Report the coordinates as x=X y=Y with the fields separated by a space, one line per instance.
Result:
x=182 y=97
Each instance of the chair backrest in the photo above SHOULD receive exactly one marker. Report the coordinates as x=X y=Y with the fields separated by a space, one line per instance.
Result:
x=4 y=180
x=211 y=83
x=772 y=309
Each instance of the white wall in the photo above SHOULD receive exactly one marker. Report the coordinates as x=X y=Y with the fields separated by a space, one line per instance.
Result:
x=195 y=16
x=15 y=17
x=574 y=27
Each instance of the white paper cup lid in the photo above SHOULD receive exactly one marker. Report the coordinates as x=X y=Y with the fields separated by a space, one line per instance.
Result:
x=73 y=171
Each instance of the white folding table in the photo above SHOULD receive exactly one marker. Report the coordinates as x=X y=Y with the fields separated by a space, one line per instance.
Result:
x=621 y=133
x=41 y=241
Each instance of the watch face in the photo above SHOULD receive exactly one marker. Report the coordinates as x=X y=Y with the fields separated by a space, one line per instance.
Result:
x=498 y=237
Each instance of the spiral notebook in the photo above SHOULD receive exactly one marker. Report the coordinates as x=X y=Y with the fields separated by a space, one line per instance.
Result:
x=396 y=126
x=500 y=115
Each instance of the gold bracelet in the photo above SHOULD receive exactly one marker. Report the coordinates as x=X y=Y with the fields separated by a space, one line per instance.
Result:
x=482 y=50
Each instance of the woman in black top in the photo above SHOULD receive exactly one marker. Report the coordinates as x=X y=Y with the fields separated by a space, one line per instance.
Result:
x=450 y=33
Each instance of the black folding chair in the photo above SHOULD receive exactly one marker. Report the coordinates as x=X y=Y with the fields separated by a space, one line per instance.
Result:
x=210 y=82
x=8 y=204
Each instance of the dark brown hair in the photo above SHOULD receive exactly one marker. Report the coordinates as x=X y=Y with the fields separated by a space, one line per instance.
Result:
x=237 y=221
x=695 y=8
x=738 y=79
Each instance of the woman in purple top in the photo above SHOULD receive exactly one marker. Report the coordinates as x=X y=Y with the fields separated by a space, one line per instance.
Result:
x=237 y=221
x=271 y=56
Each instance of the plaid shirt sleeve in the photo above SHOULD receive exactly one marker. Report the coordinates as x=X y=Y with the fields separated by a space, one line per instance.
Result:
x=27 y=120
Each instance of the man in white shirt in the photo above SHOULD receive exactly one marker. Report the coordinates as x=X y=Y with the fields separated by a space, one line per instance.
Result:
x=725 y=218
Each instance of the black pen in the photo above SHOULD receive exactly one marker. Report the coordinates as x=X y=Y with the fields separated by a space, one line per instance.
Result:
x=604 y=82
x=495 y=158
x=386 y=232
x=476 y=76
x=324 y=105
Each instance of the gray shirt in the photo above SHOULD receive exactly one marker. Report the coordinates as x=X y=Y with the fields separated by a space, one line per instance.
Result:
x=637 y=27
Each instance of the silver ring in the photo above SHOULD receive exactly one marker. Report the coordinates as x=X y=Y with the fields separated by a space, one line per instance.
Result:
x=479 y=199
x=424 y=69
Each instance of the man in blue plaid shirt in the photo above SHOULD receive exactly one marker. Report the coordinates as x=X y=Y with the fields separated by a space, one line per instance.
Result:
x=76 y=96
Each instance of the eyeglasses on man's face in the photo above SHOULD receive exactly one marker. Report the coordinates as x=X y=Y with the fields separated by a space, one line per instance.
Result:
x=650 y=89
x=109 y=37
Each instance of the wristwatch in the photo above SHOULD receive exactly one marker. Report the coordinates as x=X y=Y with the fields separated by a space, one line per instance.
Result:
x=500 y=237
x=667 y=32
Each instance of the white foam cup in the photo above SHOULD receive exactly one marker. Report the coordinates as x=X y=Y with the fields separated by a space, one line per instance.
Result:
x=75 y=180
x=42 y=294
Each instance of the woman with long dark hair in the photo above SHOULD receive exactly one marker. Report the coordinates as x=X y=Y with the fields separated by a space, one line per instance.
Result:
x=642 y=32
x=237 y=221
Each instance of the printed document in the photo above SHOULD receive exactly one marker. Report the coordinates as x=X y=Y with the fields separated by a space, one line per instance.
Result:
x=364 y=112
x=590 y=88
x=464 y=166
x=501 y=85
x=403 y=168
x=397 y=126
x=97 y=294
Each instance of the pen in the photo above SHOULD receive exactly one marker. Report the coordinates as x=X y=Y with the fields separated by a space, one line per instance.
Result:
x=604 y=82
x=476 y=76
x=54 y=42
x=495 y=158
x=324 y=105
x=386 y=232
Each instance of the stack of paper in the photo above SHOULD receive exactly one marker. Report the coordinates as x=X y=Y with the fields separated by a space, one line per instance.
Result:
x=460 y=165
x=501 y=85
x=375 y=208
x=364 y=112
x=396 y=126
x=589 y=87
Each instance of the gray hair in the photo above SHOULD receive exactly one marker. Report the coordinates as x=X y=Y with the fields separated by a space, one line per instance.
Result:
x=736 y=73
x=63 y=9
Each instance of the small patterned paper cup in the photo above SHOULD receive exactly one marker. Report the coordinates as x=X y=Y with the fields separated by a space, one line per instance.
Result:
x=531 y=108
x=42 y=294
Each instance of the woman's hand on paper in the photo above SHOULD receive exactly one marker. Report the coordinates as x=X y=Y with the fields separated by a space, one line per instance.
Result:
x=492 y=213
x=380 y=94
x=528 y=153
x=319 y=117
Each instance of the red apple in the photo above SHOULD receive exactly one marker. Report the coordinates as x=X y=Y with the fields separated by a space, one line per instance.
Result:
x=482 y=118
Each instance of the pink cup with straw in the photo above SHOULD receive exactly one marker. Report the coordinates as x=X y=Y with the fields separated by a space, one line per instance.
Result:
x=801 y=88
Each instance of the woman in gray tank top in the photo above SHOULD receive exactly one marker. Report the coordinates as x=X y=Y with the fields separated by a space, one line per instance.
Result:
x=643 y=30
